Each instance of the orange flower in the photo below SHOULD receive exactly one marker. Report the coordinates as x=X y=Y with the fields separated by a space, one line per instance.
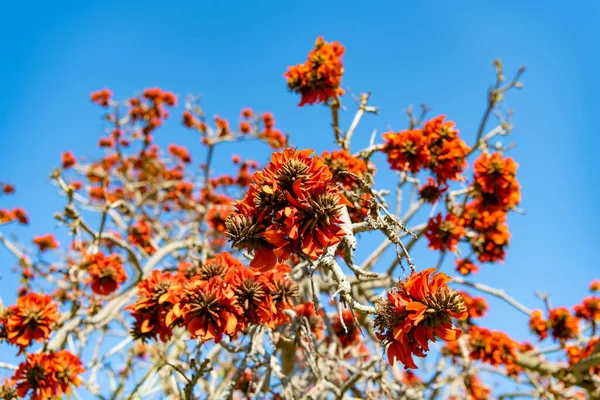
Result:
x=291 y=207
x=253 y=293
x=7 y=188
x=431 y=191
x=180 y=152
x=208 y=308
x=447 y=151
x=495 y=181
x=319 y=78
x=245 y=127
x=465 y=266
x=564 y=325
x=247 y=113
x=68 y=160
x=189 y=120
x=46 y=242
x=102 y=97
x=106 y=272
x=274 y=138
x=349 y=336
x=576 y=354
x=156 y=296
x=538 y=325
x=416 y=311
x=476 y=306
x=48 y=375
x=140 y=234
x=491 y=234
x=406 y=150
x=67 y=368
x=31 y=318
x=444 y=234
x=217 y=215
x=595 y=285
x=342 y=161
x=492 y=347
x=315 y=321
x=589 y=309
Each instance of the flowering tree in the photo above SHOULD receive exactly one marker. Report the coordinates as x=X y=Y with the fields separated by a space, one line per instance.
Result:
x=181 y=283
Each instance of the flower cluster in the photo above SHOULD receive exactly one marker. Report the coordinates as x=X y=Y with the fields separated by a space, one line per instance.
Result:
x=315 y=321
x=495 y=182
x=492 y=347
x=220 y=297
x=489 y=234
x=348 y=333
x=418 y=310
x=30 y=319
x=563 y=324
x=46 y=242
x=102 y=97
x=444 y=234
x=106 y=273
x=319 y=78
x=16 y=214
x=436 y=148
x=48 y=375
x=292 y=207
x=465 y=266
x=476 y=306
x=576 y=354
x=589 y=309
x=538 y=325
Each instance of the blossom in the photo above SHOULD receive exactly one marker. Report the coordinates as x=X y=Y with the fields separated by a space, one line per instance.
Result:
x=495 y=181
x=476 y=306
x=48 y=375
x=102 y=97
x=180 y=152
x=68 y=160
x=575 y=354
x=418 y=310
x=444 y=234
x=292 y=206
x=156 y=296
x=589 y=309
x=465 y=266
x=349 y=333
x=208 y=309
x=7 y=188
x=564 y=325
x=247 y=113
x=319 y=78
x=307 y=310
x=341 y=161
x=31 y=318
x=46 y=242
x=406 y=150
x=538 y=325
x=431 y=191
x=253 y=293
x=106 y=273
x=595 y=285
x=492 y=347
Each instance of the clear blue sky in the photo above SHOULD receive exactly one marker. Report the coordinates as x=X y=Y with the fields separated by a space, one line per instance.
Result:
x=234 y=53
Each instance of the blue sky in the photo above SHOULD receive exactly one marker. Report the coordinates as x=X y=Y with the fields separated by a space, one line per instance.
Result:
x=234 y=54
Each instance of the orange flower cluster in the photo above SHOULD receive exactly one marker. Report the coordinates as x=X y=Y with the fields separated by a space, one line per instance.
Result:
x=16 y=214
x=342 y=161
x=589 y=309
x=465 y=266
x=140 y=234
x=495 y=182
x=68 y=159
x=476 y=306
x=102 y=97
x=564 y=325
x=180 y=152
x=595 y=285
x=538 y=325
x=106 y=273
x=46 y=242
x=476 y=390
x=490 y=232
x=431 y=191
x=315 y=321
x=292 y=207
x=445 y=234
x=492 y=347
x=273 y=137
x=155 y=298
x=151 y=111
x=221 y=298
x=437 y=148
x=7 y=188
x=349 y=336
x=416 y=311
x=319 y=78
x=576 y=354
x=48 y=375
x=30 y=319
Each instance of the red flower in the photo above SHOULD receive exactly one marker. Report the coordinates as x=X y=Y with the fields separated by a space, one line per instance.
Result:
x=315 y=321
x=247 y=113
x=68 y=160
x=595 y=285
x=415 y=312
x=589 y=309
x=67 y=368
x=564 y=325
x=349 y=336
x=495 y=181
x=319 y=78
x=476 y=306
x=292 y=206
x=406 y=150
x=106 y=272
x=465 y=266
x=46 y=242
x=342 y=161
x=538 y=325
x=31 y=318
x=102 y=97
x=492 y=347
x=444 y=234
